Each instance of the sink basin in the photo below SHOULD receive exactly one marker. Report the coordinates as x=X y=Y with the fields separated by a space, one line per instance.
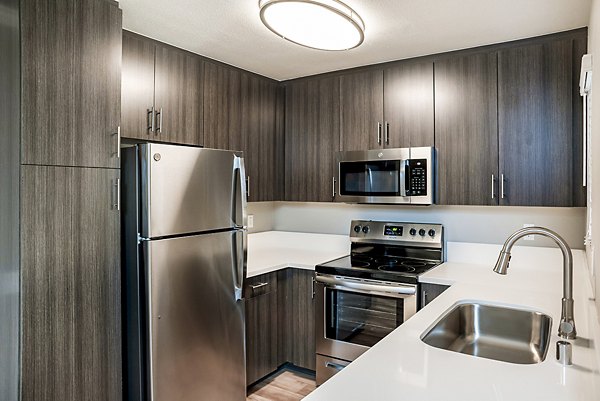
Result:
x=492 y=332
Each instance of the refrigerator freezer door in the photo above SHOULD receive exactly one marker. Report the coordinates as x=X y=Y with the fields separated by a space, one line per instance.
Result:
x=196 y=325
x=188 y=190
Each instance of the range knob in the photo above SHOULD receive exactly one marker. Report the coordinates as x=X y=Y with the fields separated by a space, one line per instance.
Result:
x=432 y=233
x=365 y=229
x=357 y=229
x=422 y=232
x=413 y=231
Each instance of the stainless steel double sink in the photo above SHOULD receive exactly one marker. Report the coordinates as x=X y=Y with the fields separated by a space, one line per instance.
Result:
x=492 y=332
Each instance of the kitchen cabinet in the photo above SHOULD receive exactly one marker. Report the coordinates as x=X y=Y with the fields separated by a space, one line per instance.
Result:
x=162 y=92
x=297 y=318
x=312 y=132
x=535 y=123
x=429 y=292
x=408 y=105
x=261 y=326
x=388 y=108
x=361 y=110
x=71 y=82
x=70 y=284
x=466 y=131
x=241 y=112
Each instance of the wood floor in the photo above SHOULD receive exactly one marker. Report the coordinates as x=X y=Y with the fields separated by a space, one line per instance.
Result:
x=285 y=385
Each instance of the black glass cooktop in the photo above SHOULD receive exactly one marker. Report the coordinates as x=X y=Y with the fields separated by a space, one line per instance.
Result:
x=382 y=267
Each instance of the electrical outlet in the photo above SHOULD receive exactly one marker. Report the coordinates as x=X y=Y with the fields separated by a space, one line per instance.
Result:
x=529 y=237
x=250 y=220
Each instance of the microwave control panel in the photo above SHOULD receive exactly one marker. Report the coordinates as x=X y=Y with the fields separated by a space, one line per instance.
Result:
x=417 y=177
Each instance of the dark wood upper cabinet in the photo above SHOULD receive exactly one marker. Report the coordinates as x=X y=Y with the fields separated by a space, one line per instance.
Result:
x=137 y=89
x=240 y=113
x=535 y=120
x=466 y=133
x=162 y=95
x=312 y=130
x=408 y=105
x=71 y=85
x=70 y=284
x=179 y=96
x=361 y=110
x=222 y=105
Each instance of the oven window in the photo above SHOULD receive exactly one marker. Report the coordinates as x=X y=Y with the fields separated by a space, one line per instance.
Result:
x=370 y=178
x=360 y=318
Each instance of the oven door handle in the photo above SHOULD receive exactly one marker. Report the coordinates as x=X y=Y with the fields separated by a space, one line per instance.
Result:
x=397 y=290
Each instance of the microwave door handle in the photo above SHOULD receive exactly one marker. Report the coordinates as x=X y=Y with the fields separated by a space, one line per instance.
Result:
x=404 y=177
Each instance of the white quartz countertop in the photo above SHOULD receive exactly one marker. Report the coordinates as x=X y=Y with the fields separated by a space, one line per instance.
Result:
x=402 y=367
x=274 y=250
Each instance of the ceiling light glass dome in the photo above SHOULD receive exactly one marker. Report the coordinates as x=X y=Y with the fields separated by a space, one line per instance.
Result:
x=318 y=24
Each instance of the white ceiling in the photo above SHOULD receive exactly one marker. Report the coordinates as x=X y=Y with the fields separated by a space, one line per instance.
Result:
x=231 y=31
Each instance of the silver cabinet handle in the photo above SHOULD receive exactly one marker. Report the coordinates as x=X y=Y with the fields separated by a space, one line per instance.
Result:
x=333 y=187
x=118 y=135
x=117 y=201
x=493 y=194
x=159 y=116
x=502 y=186
x=259 y=285
x=379 y=133
x=335 y=366
x=151 y=114
x=423 y=298
x=387 y=133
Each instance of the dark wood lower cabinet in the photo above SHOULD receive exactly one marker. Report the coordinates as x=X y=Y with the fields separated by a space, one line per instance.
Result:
x=261 y=327
x=297 y=318
x=279 y=322
x=70 y=283
x=429 y=292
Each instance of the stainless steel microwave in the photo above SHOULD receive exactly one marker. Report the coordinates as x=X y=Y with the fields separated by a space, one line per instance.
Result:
x=386 y=176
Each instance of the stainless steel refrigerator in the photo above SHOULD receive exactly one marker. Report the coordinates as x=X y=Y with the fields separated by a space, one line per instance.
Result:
x=184 y=258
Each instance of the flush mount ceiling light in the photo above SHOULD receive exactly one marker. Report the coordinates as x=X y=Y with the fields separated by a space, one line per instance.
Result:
x=318 y=24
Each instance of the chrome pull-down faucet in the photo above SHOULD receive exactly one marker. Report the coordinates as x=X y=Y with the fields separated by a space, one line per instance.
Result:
x=566 y=328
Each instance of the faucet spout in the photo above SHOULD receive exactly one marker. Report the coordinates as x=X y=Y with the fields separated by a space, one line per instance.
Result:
x=566 y=328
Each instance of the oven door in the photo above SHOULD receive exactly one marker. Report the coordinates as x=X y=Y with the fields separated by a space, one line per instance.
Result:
x=353 y=315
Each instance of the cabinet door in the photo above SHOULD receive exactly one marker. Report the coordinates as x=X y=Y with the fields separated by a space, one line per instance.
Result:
x=535 y=112
x=137 y=90
x=429 y=292
x=297 y=323
x=70 y=280
x=71 y=67
x=408 y=105
x=222 y=105
x=361 y=110
x=261 y=327
x=466 y=130
x=178 y=96
x=312 y=137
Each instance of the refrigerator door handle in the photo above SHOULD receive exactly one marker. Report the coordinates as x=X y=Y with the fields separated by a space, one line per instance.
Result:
x=239 y=254
x=239 y=201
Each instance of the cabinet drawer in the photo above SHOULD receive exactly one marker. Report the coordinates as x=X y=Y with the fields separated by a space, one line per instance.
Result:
x=260 y=285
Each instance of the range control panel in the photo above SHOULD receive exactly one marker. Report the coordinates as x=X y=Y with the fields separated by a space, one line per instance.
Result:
x=395 y=233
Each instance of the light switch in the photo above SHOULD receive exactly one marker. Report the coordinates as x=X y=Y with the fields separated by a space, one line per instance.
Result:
x=529 y=237
x=250 y=220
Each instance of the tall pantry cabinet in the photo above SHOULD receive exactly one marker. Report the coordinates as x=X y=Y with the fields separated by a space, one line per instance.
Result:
x=70 y=273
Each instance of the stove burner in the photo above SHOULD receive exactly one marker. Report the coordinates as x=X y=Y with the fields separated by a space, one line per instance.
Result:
x=361 y=258
x=397 y=269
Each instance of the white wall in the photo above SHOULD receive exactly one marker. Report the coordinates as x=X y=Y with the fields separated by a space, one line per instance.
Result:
x=483 y=224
